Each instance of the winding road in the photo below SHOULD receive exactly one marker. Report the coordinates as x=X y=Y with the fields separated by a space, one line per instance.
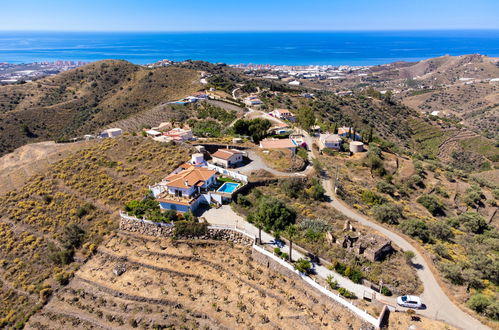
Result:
x=439 y=306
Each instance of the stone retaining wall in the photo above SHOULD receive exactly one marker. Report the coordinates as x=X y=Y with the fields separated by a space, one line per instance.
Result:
x=165 y=230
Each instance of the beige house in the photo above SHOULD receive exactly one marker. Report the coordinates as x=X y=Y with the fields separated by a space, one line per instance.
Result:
x=278 y=144
x=227 y=157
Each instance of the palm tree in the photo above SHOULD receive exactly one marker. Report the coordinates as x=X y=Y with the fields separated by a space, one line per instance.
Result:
x=291 y=232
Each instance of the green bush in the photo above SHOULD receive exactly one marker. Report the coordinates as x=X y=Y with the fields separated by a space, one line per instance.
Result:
x=385 y=187
x=347 y=294
x=432 y=204
x=303 y=266
x=371 y=198
x=388 y=213
x=479 y=302
x=292 y=187
x=417 y=229
x=472 y=222
x=385 y=291
x=333 y=284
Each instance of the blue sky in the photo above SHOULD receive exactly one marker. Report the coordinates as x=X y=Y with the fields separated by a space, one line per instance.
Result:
x=247 y=15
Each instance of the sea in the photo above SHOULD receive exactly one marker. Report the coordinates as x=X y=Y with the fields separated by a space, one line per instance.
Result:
x=275 y=48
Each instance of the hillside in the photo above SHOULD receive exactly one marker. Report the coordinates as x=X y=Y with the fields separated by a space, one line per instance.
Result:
x=83 y=100
x=53 y=223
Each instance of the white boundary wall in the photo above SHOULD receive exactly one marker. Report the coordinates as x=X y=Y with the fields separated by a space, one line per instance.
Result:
x=356 y=310
x=232 y=174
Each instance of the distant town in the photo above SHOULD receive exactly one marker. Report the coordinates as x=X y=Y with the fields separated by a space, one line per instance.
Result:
x=20 y=73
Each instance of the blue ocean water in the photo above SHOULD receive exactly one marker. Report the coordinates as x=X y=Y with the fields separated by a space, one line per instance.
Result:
x=290 y=48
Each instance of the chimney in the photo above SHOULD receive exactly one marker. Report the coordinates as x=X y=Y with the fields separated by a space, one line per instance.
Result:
x=185 y=183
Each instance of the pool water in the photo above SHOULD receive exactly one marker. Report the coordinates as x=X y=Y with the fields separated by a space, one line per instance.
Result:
x=228 y=187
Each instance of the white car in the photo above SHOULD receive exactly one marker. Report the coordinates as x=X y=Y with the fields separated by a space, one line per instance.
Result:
x=410 y=301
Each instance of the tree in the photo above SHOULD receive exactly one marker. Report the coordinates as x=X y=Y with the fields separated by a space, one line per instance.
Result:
x=291 y=232
x=255 y=128
x=388 y=213
x=272 y=214
x=306 y=118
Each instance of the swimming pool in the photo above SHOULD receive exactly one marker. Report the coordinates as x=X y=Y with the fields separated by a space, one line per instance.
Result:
x=228 y=187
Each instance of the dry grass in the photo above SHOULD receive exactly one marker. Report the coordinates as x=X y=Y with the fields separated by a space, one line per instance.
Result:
x=83 y=100
x=105 y=175
x=281 y=159
x=192 y=284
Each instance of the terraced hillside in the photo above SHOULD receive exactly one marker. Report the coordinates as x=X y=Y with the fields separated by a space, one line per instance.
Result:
x=56 y=220
x=83 y=100
x=191 y=284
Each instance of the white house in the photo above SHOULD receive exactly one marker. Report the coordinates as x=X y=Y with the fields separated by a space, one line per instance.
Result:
x=227 y=157
x=283 y=114
x=111 y=132
x=179 y=134
x=331 y=141
x=153 y=133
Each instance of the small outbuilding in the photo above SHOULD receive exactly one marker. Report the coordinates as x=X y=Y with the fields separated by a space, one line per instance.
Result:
x=227 y=157
x=356 y=146
x=111 y=132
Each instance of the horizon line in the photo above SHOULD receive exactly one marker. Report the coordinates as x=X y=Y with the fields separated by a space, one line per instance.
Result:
x=256 y=31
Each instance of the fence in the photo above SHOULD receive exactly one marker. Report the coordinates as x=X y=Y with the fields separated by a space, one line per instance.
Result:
x=126 y=216
x=232 y=174
x=336 y=297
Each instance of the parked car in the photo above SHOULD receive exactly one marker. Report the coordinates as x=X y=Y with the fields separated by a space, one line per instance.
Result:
x=410 y=301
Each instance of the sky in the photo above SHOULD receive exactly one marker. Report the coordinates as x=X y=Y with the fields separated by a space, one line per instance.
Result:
x=247 y=15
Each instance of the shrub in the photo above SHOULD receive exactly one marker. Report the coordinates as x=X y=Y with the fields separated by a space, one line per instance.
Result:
x=316 y=191
x=408 y=256
x=431 y=203
x=277 y=251
x=354 y=274
x=472 y=222
x=416 y=228
x=84 y=210
x=333 y=284
x=385 y=291
x=72 y=237
x=347 y=294
x=303 y=266
x=473 y=196
x=479 y=302
x=385 y=187
x=387 y=213
x=371 y=198
x=442 y=251
x=292 y=187
x=441 y=230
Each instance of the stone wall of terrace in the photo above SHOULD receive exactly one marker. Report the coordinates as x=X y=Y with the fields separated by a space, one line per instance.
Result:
x=149 y=228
